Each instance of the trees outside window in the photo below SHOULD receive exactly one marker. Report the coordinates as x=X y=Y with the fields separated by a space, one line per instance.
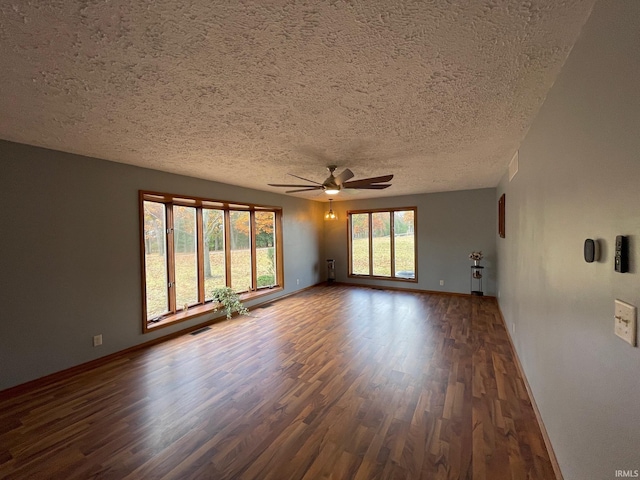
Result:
x=360 y=251
x=265 y=235
x=382 y=244
x=214 y=261
x=190 y=246
x=156 y=267
x=185 y=255
x=241 y=261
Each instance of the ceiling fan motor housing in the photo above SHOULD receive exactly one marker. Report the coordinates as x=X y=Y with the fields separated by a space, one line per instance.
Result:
x=331 y=183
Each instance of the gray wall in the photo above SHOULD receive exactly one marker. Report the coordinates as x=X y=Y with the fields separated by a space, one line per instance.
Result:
x=450 y=226
x=579 y=178
x=70 y=257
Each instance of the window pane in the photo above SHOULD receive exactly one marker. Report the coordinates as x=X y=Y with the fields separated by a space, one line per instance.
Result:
x=380 y=229
x=214 y=257
x=360 y=244
x=403 y=226
x=155 y=259
x=266 y=248
x=240 y=251
x=184 y=239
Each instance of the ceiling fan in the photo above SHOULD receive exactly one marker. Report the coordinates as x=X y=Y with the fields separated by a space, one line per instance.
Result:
x=333 y=184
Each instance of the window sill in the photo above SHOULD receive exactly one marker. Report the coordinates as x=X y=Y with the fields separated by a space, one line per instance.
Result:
x=391 y=279
x=199 y=310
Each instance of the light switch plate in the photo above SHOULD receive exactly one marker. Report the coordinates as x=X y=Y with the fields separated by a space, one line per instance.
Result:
x=625 y=321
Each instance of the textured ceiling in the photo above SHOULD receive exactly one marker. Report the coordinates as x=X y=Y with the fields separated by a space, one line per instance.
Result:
x=243 y=92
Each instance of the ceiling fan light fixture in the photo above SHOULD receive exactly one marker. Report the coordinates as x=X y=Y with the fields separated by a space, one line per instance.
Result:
x=332 y=191
x=330 y=215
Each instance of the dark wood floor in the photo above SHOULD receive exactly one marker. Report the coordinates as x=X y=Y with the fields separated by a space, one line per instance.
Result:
x=335 y=382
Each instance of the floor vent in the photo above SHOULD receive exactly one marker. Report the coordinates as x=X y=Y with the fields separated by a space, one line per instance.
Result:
x=200 y=330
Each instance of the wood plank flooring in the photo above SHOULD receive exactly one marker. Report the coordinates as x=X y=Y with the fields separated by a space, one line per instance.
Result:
x=336 y=382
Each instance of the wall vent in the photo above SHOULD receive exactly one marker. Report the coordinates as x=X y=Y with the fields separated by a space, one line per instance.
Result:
x=513 y=166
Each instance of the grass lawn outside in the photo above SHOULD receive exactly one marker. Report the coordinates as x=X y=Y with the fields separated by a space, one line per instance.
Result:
x=186 y=273
x=404 y=256
x=186 y=276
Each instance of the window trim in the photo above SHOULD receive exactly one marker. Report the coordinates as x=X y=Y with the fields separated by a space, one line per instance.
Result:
x=392 y=277
x=203 y=306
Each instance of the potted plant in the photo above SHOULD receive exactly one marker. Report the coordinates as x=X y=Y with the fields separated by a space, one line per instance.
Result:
x=229 y=300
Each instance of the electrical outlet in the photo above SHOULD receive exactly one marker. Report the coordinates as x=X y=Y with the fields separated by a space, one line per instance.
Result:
x=625 y=322
x=513 y=328
x=297 y=281
x=441 y=282
x=97 y=340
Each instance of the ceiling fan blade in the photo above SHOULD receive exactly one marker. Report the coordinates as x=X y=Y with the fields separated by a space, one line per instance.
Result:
x=365 y=181
x=305 y=179
x=344 y=176
x=369 y=186
x=288 y=185
x=308 y=189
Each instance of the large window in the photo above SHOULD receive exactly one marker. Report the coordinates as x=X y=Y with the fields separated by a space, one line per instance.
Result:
x=382 y=244
x=191 y=246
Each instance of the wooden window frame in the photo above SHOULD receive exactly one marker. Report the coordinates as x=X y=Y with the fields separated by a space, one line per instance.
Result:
x=175 y=313
x=390 y=211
